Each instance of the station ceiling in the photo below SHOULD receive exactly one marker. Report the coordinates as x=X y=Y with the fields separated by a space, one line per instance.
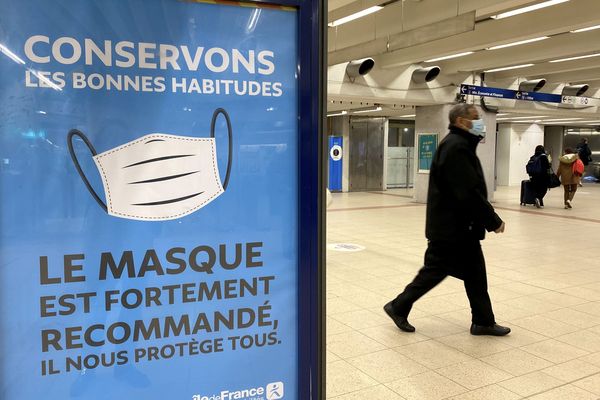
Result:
x=406 y=34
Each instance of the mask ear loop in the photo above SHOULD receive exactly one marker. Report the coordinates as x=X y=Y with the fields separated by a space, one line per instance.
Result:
x=212 y=135
x=75 y=132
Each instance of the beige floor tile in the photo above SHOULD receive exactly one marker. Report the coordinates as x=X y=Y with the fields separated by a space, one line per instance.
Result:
x=554 y=351
x=516 y=362
x=352 y=344
x=520 y=337
x=567 y=392
x=492 y=392
x=531 y=304
x=473 y=374
x=573 y=317
x=433 y=354
x=330 y=357
x=387 y=365
x=429 y=385
x=334 y=327
x=379 y=392
x=586 y=340
x=476 y=346
x=572 y=370
x=337 y=306
x=504 y=312
x=390 y=336
x=591 y=384
x=530 y=384
x=591 y=307
x=593 y=358
x=561 y=299
x=545 y=326
x=367 y=299
x=362 y=319
x=434 y=327
x=343 y=378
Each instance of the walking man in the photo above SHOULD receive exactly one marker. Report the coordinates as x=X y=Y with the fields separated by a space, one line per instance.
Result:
x=458 y=214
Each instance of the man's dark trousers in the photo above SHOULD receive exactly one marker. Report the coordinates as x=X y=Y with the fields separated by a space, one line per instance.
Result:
x=463 y=260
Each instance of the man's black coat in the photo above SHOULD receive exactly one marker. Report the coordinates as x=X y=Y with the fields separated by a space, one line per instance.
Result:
x=457 y=205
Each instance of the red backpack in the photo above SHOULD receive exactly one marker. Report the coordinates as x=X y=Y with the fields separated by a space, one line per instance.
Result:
x=578 y=167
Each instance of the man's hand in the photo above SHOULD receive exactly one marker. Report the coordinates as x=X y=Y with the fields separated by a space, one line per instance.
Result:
x=501 y=229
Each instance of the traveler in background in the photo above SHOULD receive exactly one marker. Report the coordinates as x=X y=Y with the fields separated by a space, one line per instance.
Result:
x=538 y=167
x=458 y=214
x=584 y=153
x=567 y=177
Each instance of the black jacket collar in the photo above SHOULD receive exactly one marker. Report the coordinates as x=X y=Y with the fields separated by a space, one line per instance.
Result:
x=471 y=139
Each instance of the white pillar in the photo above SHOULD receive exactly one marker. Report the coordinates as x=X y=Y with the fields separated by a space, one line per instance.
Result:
x=434 y=119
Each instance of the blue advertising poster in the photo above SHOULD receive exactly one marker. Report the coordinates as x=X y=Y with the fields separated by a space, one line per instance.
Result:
x=427 y=144
x=148 y=186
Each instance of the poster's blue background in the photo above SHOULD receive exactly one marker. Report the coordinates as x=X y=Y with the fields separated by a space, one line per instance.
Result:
x=45 y=209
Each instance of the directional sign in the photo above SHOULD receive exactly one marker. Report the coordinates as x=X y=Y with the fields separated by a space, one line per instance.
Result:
x=580 y=101
x=500 y=93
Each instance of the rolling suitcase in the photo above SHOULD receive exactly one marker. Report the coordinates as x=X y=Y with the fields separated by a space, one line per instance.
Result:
x=527 y=193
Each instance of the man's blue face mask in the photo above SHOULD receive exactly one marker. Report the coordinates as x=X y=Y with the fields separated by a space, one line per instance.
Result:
x=478 y=128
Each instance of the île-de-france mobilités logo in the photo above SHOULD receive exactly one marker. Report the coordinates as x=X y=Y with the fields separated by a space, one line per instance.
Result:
x=158 y=176
x=272 y=391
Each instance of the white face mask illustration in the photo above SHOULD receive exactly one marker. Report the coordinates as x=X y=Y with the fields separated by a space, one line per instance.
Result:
x=158 y=176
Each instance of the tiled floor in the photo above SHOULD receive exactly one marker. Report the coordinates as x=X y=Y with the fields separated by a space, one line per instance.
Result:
x=544 y=278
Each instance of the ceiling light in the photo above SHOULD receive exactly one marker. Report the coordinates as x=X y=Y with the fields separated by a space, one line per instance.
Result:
x=529 y=117
x=354 y=16
x=507 y=68
x=366 y=111
x=336 y=114
x=562 y=119
x=408 y=116
x=589 y=28
x=466 y=53
x=502 y=46
x=10 y=54
x=528 y=9
x=575 y=58
x=500 y=115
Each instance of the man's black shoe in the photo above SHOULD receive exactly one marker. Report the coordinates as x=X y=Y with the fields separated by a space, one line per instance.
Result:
x=494 y=330
x=401 y=322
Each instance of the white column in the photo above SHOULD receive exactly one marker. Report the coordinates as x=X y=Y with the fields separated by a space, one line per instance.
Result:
x=434 y=119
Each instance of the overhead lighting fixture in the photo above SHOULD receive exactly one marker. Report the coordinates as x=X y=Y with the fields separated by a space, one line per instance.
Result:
x=408 y=116
x=366 y=111
x=502 y=46
x=336 y=114
x=575 y=58
x=500 y=115
x=508 y=68
x=354 y=16
x=10 y=54
x=466 y=53
x=562 y=119
x=589 y=28
x=523 y=10
x=528 y=117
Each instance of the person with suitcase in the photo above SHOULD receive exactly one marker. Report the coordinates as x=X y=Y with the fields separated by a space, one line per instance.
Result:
x=537 y=168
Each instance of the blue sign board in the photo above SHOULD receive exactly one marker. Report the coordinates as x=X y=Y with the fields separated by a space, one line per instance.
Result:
x=150 y=223
x=500 y=93
x=426 y=145
x=335 y=163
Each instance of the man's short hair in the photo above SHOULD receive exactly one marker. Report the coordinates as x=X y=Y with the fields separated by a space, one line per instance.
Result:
x=459 y=110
